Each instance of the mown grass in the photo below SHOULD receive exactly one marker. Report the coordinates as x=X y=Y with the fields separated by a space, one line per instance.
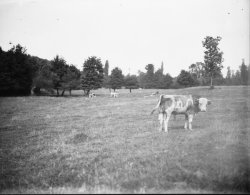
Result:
x=112 y=145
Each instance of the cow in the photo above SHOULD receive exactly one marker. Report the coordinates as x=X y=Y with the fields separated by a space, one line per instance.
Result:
x=188 y=105
x=92 y=95
x=114 y=94
x=152 y=94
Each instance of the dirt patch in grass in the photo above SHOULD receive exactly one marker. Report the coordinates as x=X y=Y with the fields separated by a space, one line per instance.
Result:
x=78 y=139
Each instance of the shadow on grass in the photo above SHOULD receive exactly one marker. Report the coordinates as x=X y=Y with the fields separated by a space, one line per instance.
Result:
x=78 y=139
x=181 y=128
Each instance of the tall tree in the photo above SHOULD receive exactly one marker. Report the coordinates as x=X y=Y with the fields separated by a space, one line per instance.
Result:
x=92 y=76
x=243 y=73
x=116 y=78
x=106 y=68
x=159 y=79
x=232 y=77
x=106 y=75
x=213 y=57
x=162 y=68
x=229 y=76
x=149 y=77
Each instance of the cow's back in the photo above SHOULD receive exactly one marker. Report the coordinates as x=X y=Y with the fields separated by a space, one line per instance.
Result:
x=182 y=103
x=179 y=104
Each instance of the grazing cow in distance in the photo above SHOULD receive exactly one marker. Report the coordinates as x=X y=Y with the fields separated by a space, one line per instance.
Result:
x=92 y=95
x=152 y=94
x=187 y=105
x=114 y=94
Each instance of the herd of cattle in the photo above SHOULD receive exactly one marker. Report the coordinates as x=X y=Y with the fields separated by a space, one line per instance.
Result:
x=187 y=105
x=112 y=94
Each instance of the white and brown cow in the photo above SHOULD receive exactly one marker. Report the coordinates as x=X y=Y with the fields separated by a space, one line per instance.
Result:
x=114 y=94
x=187 y=105
x=92 y=95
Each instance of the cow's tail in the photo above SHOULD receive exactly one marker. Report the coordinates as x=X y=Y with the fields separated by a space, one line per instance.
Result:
x=158 y=104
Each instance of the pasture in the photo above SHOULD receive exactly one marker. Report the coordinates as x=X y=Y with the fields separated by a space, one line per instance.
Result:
x=112 y=145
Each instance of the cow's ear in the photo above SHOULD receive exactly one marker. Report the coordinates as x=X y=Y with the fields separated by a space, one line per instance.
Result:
x=209 y=102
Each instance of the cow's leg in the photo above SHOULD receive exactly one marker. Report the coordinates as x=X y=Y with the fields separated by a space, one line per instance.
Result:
x=190 y=119
x=161 y=119
x=166 y=119
x=186 y=121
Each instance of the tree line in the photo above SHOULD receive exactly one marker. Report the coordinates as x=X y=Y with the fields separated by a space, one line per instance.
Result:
x=22 y=74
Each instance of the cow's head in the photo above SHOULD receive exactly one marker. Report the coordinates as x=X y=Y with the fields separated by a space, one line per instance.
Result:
x=202 y=103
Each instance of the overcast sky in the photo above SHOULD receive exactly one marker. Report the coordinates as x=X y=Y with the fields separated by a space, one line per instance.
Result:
x=128 y=33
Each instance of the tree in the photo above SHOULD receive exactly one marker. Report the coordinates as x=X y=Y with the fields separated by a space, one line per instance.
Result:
x=71 y=80
x=167 y=81
x=131 y=82
x=198 y=73
x=159 y=79
x=162 y=68
x=197 y=69
x=185 y=79
x=16 y=72
x=243 y=73
x=92 y=76
x=43 y=79
x=228 y=76
x=141 y=79
x=106 y=68
x=116 y=79
x=213 y=57
x=59 y=69
x=219 y=80
x=150 y=81
x=248 y=82
x=236 y=78
x=106 y=75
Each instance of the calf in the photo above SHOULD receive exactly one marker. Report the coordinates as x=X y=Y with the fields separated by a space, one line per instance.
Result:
x=91 y=95
x=187 y=105
x=152 y=94
x=114 y=94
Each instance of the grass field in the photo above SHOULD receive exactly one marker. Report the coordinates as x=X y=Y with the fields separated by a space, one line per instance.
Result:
x=112 y=145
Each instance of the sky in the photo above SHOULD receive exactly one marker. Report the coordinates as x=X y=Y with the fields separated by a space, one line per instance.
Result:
x=128 y=33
